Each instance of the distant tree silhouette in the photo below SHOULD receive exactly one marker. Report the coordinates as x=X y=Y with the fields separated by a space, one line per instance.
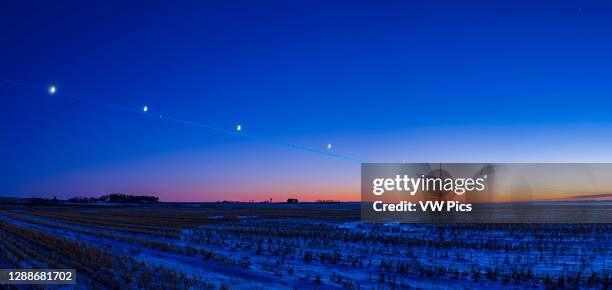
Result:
x=116 y=198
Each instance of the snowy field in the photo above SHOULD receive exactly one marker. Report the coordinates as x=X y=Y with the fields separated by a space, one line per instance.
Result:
x=306 y=246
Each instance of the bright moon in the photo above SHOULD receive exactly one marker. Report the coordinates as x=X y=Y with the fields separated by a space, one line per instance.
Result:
x=329 y=146
x=52 y=90
x=145 y=108
x=238 y=128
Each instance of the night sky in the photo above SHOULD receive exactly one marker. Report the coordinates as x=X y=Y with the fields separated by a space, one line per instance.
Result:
x=382 y=81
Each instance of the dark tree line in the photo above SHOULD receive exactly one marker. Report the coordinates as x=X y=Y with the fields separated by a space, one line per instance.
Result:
x=116 y=198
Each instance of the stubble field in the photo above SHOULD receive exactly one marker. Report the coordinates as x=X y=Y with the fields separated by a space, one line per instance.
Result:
x=313 y=246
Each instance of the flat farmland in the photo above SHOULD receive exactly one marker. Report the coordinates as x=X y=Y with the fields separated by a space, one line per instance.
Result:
x=288 y=246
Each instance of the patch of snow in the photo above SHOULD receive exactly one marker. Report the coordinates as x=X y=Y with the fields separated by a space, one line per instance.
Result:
x=247 y=216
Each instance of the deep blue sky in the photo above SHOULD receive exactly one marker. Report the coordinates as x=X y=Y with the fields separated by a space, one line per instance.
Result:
x=486 y=81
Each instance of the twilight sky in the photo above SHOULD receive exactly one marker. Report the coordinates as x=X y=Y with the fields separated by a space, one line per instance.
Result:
x=383 y=81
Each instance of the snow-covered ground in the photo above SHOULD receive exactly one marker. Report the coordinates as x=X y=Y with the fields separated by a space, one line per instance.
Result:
x=254 y=251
